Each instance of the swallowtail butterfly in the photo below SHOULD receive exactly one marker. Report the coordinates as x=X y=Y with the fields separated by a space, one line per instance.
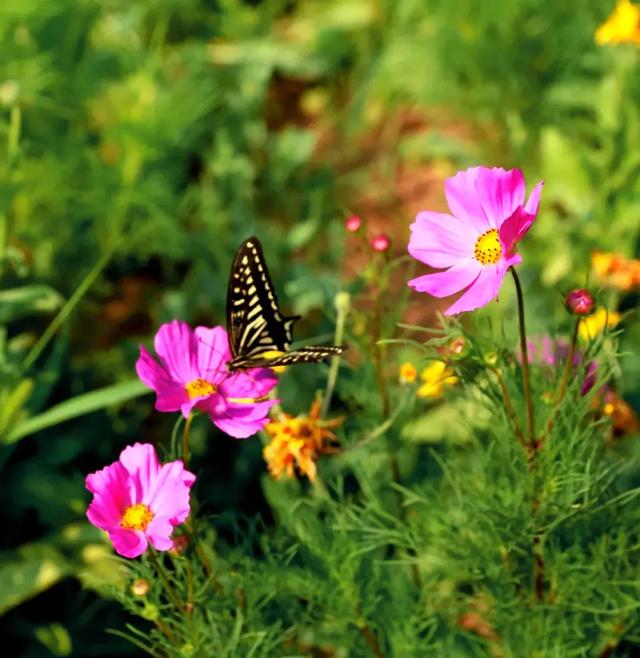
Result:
x=259 y=335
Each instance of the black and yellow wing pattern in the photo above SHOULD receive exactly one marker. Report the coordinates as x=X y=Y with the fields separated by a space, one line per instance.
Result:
x=259 y=335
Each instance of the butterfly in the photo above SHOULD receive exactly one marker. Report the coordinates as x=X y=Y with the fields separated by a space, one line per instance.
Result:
x=259 y=335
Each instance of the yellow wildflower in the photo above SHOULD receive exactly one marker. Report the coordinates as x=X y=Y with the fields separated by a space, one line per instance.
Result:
x=297 y=442
x=622 y=26
x=435 y=376
x=408 y=373
x=595 y=324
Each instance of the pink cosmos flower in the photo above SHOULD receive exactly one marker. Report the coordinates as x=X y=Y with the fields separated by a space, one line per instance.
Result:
x=138 y=501
x=477 y=241
x=192 y=373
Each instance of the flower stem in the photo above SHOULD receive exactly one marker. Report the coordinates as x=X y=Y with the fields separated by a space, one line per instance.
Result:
x=568 y=365
x=171 y=593
x=562 y=387
x=342 y=308
x=185 y=440
x=508 y=405
x=526 y=382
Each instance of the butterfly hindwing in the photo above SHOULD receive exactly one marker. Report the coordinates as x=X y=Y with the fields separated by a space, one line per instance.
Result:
x=259 y=335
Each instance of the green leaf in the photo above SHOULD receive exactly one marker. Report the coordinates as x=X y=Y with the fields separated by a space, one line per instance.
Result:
x=78 y=406
x=15 y=303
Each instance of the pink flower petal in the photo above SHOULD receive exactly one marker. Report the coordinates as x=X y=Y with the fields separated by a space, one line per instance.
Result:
x=169 y=494
x=177 y=346
x=242 y=420
x=439 y=240
x=112 y=495
x=455 y=279
x=483 y=290
x=141 y=462
x=128 y=543
x=213 y=353
x=159 y=532
x=501 y=192
x=254 y=383
x=531 y=206
x=514 y=228
x=485 y=197
x=170 y=395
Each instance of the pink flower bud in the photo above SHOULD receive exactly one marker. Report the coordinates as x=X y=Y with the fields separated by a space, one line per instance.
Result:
x=380 y=242
x=353 y=223
x=580 y=302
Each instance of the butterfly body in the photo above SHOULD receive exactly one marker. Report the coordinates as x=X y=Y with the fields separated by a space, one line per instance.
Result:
x=259 y=335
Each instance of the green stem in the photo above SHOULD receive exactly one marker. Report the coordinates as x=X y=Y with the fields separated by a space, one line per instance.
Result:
x=185 y=440
x=66 y=310
x=562 y=387
x=173 y=597
x=342 y=308
x=568 y=366
x=15 y=128
x=526 y=381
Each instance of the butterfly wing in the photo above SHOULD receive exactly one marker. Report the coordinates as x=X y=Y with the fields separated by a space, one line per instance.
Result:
x=311 y=354
x=254 y=322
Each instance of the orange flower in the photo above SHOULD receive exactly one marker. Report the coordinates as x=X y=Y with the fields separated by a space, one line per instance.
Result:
x=622 y=26
x=624 y=420
x=408 y=373
x=615 y=270
x=297 y=442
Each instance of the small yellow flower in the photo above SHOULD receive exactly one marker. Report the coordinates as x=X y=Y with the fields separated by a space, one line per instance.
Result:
x=595 y=324
x=408 y=373
x=622 y=26
x=297 y=442
x=435 y=377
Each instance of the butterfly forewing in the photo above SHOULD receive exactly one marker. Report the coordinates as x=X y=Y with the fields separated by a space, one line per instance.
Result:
x=259 y=336
x=254 y=321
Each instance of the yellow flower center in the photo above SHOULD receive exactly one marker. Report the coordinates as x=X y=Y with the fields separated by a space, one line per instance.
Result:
x=136 y=517
x=488 y=248
x=199 y=388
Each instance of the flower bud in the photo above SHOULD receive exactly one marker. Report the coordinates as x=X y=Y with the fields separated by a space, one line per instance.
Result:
x=457 y=348
x=140 y=587
x=380 y=242
x=180 y=544
x=353 y=224
x=580 y=302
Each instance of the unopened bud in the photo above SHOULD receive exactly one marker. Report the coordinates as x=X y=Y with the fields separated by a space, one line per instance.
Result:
x=140 y=587
x=457 y=347
x=380 y=242
x=580 y=302
x=353 y=224
x=342 y=302
x=180 y=544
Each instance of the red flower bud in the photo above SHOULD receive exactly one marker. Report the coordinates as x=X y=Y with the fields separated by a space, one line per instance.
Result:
x=380 y=242
x=580 y=302
x=353 y=223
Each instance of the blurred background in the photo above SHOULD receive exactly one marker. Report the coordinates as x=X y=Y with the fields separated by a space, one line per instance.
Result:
x=142 y=140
